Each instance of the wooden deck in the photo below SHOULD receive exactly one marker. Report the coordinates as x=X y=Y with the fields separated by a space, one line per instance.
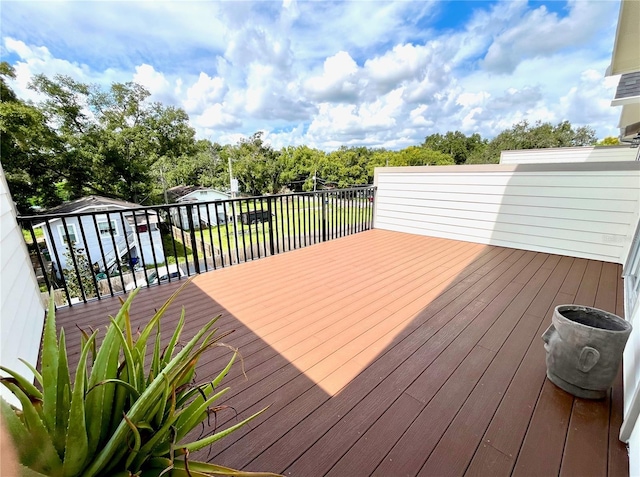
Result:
x=391 y=354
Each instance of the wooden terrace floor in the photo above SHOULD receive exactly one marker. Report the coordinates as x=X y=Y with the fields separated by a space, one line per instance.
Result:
x=391 y=354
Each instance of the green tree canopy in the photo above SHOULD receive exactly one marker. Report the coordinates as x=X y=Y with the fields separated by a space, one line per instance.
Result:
x=29 y=148
x=456 y=144
x=522 y=135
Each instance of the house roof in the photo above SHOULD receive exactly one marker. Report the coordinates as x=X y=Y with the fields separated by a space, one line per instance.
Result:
x=628 y=96
x=89 y=202
x=182 y=190
x=626 y=50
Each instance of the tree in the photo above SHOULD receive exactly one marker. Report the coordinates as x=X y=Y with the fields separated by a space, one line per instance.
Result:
x=82 y=270
x=257 y=166
x=112 y=137
x=456 y=144
x=29 y=149
x=541 y=135
x=609 y=141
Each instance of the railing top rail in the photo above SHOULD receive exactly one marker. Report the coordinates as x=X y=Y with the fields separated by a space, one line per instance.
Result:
x=142 y=208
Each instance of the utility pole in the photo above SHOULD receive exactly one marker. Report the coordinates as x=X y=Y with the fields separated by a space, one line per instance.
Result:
x=233 y=194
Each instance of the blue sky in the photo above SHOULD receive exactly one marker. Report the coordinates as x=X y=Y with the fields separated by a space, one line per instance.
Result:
x=325 y=74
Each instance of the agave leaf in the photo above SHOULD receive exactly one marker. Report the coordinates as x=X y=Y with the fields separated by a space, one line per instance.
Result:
x=24 y=384
x=146 y=332
x=99 y=403
x=118 y=382
x=160 y=415
x=50 y=367
x=205 y=468
x=155 y=360
x=47 y=459
x=77 y=441
x=195 y=413
x=137 y=442
x=142 y=406
x=121 y=396
x=159 y=438
x=64 y=397
x=168 y=352
x=140 y=359
x=128 y=357
x=127 y=326
x=35 y=372
x=19 y=433
x=27 y=472
x=224 y=372
x=206 y=441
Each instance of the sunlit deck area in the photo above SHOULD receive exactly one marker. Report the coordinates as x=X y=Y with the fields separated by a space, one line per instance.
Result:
x=392 y=354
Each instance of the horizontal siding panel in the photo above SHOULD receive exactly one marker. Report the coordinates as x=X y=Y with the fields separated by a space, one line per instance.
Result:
x=607 y=253
x=558 y=179
x=471 y=208
x=568 y=203
x=582 y=210
x=569 y=154
x=582 y=240
x=488 y=218
x=601 y=193
x=21 y=310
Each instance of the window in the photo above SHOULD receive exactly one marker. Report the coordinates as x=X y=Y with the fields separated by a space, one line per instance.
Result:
x=107 y=229
x=69 y=235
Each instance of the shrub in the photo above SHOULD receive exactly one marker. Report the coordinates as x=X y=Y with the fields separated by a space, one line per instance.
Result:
x=119 y=416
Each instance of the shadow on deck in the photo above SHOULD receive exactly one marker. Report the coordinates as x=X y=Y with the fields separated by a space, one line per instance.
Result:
x=392 y=354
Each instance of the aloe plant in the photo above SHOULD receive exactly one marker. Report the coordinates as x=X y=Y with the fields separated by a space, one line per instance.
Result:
x=120 y=416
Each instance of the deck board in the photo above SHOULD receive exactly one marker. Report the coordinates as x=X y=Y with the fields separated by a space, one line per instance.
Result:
x=385 y=353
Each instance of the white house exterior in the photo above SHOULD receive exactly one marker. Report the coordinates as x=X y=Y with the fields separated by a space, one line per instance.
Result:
x=569 y=154
x=206 y=214
x=625 y=61
x=21 y=309
x=117 y=234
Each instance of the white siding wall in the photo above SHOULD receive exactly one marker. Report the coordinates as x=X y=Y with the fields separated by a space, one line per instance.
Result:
x=586 y=210
x=21 y=311
x=569 y=154
x=631 y=363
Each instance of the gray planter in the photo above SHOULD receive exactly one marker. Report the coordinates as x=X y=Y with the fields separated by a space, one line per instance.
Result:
x=584 y=348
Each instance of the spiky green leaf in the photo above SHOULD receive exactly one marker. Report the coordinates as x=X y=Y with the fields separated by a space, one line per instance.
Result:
x=77 y=441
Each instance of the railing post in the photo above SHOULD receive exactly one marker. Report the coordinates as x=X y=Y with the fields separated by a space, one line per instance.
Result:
x=324 y=217
x=271 y=245
x=192 y=235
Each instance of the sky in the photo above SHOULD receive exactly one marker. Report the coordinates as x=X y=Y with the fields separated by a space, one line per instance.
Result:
x=326 y=74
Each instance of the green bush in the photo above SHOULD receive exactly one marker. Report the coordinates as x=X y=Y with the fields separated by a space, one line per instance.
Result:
x=119 y=417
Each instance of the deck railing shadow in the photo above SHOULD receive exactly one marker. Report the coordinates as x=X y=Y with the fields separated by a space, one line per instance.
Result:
x=372 y=363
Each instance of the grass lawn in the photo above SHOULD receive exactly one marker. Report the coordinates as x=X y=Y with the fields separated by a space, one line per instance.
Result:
x=289 y=220
x=37 y=232
x=180 y=250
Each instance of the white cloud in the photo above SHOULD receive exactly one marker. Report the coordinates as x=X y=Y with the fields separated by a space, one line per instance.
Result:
x=155 y=82
x=326 y=74
x=539 y=32
x=204 y=91
x=338 y=81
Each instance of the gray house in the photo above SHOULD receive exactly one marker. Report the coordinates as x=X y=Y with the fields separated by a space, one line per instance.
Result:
x=199 y=201
x=113 y=234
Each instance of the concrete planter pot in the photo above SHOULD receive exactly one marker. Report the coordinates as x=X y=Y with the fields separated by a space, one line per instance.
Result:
x=584 y=349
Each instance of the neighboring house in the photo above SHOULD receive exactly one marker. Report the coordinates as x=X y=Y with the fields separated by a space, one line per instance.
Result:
x=211 y=214
x=113 y=234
